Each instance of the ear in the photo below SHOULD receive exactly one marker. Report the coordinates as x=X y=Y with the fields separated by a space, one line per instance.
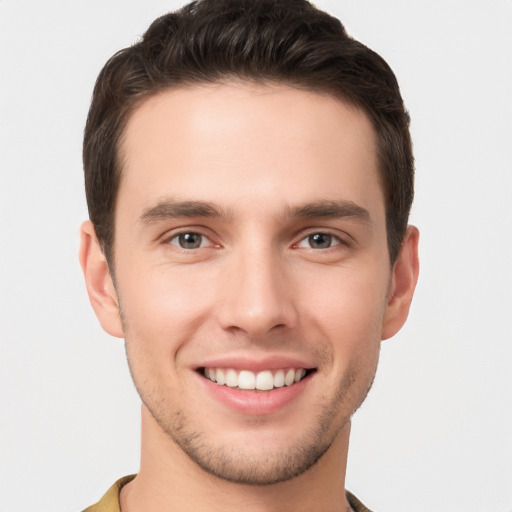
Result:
x=100 y=286
x=403 y=282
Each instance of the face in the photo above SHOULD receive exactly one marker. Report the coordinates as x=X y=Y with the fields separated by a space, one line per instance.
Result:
x=252 y=272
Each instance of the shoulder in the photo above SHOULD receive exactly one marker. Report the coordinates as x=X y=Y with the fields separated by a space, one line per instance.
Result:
x=110 y=500
x=356 y=505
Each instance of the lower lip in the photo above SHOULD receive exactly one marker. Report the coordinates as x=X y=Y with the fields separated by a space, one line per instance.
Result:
x=256 y=402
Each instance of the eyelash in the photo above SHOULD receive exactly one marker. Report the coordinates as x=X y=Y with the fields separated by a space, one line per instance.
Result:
x=333 y=240
x=185 y=233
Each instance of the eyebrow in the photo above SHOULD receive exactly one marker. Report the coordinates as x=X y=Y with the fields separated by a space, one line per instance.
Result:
x=170 y=209
x=330 y=210
x=324 y=209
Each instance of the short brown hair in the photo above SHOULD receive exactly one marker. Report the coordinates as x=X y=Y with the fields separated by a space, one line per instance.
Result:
x=285 y=41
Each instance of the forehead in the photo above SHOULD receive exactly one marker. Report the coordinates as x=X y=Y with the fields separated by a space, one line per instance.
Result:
x=234 y=141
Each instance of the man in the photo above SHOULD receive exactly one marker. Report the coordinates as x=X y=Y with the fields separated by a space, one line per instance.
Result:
x=249 y=177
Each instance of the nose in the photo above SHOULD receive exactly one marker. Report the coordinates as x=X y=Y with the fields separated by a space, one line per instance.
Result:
x=257 y=294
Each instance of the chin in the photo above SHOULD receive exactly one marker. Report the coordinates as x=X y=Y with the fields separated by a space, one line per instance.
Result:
x=255 y=463
x=259 y=453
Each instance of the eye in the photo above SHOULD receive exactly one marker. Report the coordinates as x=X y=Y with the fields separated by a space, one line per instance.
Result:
x=319 y=241
x=190 y=241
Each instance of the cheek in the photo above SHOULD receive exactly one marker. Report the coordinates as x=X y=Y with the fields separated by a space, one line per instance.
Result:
x=162 y=311
x=165 y=306
x=349 y=312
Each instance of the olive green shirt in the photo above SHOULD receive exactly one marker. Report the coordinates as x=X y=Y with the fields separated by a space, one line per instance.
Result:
x=110 y=501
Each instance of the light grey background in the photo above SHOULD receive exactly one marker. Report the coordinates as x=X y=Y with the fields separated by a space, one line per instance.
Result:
x=435 y=433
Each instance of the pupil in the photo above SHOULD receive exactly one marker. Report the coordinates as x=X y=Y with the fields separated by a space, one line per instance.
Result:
x=320 y=241
x=190 y=240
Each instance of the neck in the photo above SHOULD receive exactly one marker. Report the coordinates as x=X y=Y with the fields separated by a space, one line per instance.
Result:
x=169 y=480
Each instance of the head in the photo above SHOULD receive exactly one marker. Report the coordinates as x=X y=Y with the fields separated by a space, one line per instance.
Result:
x=286 y=41
x=249 y=176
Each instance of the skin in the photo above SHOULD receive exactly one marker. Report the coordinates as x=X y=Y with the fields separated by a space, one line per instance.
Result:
x=277 y=165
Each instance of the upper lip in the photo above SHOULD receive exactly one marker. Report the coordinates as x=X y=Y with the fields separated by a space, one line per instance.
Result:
x=255 y=364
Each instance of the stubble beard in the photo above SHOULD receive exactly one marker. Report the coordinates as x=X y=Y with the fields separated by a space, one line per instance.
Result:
x=237 y=465
x=232 y=463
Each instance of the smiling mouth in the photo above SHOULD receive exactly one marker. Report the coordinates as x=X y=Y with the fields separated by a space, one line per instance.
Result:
x=265 y=380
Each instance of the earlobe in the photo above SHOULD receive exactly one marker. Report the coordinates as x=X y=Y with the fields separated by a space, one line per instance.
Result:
x=403 y=282
x=98 y=281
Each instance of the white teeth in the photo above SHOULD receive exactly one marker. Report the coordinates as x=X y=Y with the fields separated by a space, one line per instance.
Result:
x=220 y=377
x=231 y=378
x=289 y=378
x=246 y=380
x=299 y=374
x=263 y=381
x=279 y=379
